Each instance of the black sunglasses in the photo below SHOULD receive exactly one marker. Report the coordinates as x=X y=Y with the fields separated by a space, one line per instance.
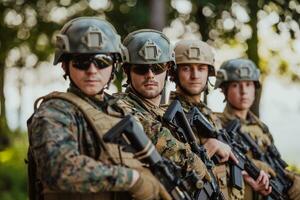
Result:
x=83 y=62
x=142 y=69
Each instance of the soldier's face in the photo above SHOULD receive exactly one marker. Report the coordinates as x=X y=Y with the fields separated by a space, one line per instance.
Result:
x=91 y=80
x=193 y=77
x=150 y=83
x=241 y=94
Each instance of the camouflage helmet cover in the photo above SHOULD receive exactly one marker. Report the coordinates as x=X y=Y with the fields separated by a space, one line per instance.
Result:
x=237 y=70
x=87 y=35
x=195 y=51
x=148 y=46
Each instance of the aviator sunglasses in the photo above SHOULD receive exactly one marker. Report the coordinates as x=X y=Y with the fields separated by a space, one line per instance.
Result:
x=142 y=69
x=83 y=62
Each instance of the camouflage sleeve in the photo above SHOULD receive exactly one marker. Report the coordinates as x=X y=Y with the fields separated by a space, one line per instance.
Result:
x=54 y=137
x=169 y=147
x=166 y=144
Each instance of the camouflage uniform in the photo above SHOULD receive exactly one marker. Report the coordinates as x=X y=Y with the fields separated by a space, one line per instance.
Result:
x=221 y=171
x=68 y=158
x=150 y=117
x=244 y=69
x=147 y=47
x=67 y=151
x=257 y=130
x=198 y=52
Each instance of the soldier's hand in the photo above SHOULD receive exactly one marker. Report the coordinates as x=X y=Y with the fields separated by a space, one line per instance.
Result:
x=294 y=191
x=265 y=167
x=214 y=146
x=147 y=187
x=261 y=184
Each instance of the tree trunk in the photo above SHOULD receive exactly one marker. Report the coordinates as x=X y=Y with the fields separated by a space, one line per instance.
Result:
x=157 y=14
x=252 y=50
x=158 y=22
x=4 y=130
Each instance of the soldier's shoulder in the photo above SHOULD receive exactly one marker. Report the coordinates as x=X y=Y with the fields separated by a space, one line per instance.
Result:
x=55 y=107
x=124 y=102
x=218 y=114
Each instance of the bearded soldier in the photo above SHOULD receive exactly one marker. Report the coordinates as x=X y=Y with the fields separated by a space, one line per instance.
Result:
x=149 y=56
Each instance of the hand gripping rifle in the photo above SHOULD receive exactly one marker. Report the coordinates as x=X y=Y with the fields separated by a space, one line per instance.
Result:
x=230 y=136
x=273 y=158
x=176 y=118
x=130 y=135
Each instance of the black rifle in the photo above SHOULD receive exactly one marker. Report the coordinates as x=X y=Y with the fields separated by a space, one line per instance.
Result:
x=131 y=136
x=273 y=158
x=230 y=136
x=176 y=118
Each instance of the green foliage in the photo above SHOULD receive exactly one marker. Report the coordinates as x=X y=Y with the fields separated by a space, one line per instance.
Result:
x=13 y=171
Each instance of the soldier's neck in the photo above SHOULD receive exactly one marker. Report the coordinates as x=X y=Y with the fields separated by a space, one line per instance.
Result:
x=242 y=114
x=188 y=97
x=154 y=101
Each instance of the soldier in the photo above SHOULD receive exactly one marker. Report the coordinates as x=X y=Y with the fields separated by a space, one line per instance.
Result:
x=195 y=63
x=148 y=58
x=68 y=158
x=239 y=80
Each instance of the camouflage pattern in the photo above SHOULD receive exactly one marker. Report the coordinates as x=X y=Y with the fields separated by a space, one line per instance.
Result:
x=206 y=111
x=65 y=150
x=169 y=147
x=253 y=126
x=256 y=129
x=220 y=171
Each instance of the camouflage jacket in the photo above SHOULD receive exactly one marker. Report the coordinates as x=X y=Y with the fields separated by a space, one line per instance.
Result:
x=207 y=112
x=252 y=125
x=221 y=171
x=65 y=149
x=150 y=116
x=259 y=132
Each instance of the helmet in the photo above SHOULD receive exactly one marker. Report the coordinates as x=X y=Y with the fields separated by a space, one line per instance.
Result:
x=147 y=46
x=195 y=51
x=237 y=70
x=87 y=35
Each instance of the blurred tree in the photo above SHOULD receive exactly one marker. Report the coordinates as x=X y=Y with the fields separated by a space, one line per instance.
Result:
x=28 y=29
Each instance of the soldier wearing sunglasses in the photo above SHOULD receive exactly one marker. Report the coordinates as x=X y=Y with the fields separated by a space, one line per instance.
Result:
x=149 y=55
x=68 y=158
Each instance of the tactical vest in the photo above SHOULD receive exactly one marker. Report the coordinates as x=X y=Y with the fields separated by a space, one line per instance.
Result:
x=258 y=131
x=221 y=171
x=111 y=154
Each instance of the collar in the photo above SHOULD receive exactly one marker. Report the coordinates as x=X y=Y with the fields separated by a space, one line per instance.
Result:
x=188 y=103
x=97 y=100
x=229 y=113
